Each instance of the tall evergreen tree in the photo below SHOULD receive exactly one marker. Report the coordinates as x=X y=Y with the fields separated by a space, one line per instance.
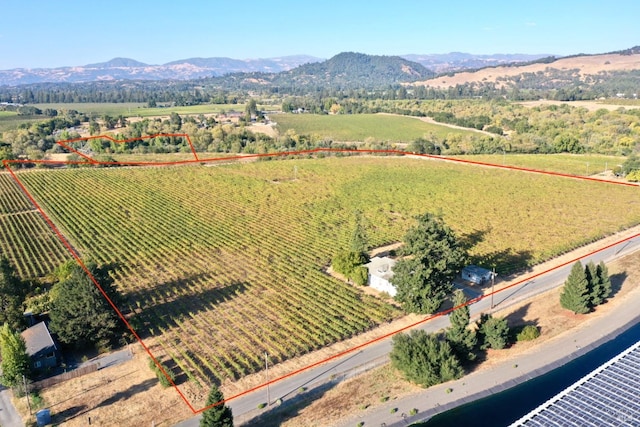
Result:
x=359 y=238
x=462 y=339
x=219 y=415
x=595 y=286
x=605 y=282
x=12 y=295
x=494 y=332
x=15 y=360
x=433 y=256
x=575 y=293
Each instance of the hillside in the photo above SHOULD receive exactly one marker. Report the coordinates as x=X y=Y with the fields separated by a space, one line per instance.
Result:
x=578 y=68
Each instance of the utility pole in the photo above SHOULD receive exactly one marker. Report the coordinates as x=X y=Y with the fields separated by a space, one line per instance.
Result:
x=266 y=364
x=26 y=392
x=493 y=282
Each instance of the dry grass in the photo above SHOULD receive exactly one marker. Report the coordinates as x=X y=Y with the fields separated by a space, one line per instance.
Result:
x=586 y=64
x=127 y=394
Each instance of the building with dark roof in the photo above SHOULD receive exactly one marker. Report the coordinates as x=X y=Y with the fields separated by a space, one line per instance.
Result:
x=41 y=347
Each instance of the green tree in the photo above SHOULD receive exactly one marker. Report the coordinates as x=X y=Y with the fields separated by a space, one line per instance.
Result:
x=12 y=296
x=575 y=294
x=463 y=340
x=219 y=415
x=604 y=291
x=432 y=256
x=15 y=360
x=595 y=287
x=425 y=359
x=109 y=122
x=80 y=314
x=494 y=332
x=359 y=238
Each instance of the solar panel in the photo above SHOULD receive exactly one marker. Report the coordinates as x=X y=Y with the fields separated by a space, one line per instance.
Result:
x=608 y=396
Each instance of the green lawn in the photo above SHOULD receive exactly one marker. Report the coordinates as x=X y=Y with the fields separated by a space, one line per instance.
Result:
x=358 y=127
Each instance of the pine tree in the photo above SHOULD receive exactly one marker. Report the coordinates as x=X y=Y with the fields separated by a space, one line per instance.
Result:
x=494 y=332
x=605 y=282
x=595 y=285
x=15 y=360
x=462 y=339
x=219 y=415
x=575 y=293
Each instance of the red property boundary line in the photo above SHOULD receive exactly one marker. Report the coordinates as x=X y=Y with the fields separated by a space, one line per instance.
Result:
x=91 y=161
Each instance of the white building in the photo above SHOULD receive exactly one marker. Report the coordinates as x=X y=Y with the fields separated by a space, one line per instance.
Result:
x=380 y=274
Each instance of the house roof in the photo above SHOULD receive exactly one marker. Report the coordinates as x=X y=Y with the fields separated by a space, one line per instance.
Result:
x=381 y=267
x=479 y=271
x=38 y=340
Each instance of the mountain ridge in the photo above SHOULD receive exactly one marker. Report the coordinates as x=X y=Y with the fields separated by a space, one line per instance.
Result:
x=120 y=68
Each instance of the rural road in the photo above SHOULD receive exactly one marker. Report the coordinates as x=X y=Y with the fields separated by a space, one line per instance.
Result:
x=8 y=415
x=245 y=407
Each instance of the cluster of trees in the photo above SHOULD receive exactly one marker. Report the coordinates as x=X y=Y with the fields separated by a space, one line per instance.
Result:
x=586 y=287
x=429 y=359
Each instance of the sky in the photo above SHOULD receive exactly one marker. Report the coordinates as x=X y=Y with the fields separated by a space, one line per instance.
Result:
x=54 y=33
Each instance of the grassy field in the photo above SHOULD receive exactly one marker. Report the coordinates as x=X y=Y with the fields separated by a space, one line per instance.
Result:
x=219 y=264
x=575 y=164
x=11 y=120
x=358 y=127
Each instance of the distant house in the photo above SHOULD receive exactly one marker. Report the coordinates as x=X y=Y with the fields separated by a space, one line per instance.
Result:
x=40 y=347
x=476 y=275
x=380 y=274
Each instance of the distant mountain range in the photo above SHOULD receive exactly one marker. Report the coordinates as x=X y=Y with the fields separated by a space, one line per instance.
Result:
x=194 y=68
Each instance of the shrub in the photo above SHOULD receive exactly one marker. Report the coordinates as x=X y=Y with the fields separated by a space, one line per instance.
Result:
x=164 y=381
x=528 y=333
x=413 y=412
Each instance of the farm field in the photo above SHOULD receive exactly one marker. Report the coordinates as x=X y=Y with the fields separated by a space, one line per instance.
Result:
x=359 y=127
x=139 y=109
x=25 y=237
x=220 y=264
x=575 y=164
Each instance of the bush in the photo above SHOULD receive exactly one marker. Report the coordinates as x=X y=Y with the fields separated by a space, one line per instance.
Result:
x=360 y=275
x=164 y=381
x=528 y=333
x=413 y=412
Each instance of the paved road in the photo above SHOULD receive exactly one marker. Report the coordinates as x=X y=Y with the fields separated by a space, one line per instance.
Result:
x=8 y=415
x=245 y=406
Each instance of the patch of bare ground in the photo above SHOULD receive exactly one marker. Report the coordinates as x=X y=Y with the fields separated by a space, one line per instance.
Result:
x=555 y=323
x=265 y=128
x=128 y=394
x=586 y=65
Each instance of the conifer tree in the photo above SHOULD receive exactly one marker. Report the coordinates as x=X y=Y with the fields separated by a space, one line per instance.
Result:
x=219 y=415
x=462 y=339
x=595 y=285
x=605 y=282
x=575 y=293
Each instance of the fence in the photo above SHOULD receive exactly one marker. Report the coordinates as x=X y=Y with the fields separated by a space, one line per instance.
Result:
x=48 y=382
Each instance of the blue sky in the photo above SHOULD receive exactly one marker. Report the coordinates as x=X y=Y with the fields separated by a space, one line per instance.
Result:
x=50 y=33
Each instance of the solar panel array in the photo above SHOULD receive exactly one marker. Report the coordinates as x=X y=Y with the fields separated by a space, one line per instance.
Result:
x=608 y=396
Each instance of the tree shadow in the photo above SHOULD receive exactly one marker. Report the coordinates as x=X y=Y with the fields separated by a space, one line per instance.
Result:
x=507 y=262
x=517 y=322
x=469 y=240
x=166 y=310
x=126 y=394
x=171 y=365
x=617 y=280
x=68 y=414
x=290 y=408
